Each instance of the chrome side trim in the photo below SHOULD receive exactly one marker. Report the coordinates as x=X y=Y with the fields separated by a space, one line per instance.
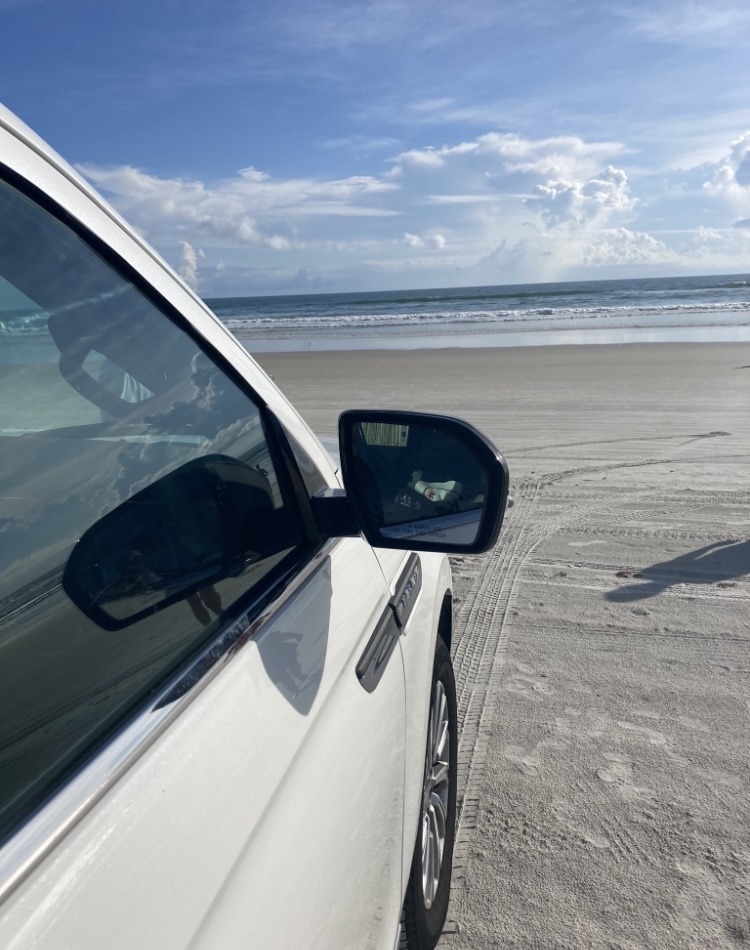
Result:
x=44 y=830
x=378 y=651
x=391 y=624
x=408 y=586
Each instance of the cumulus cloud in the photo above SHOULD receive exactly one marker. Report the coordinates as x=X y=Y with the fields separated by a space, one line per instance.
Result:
x=620 y=246
x=581 y=203
x=436 y=241
x=188 y=266
x=731 y=178
x=555 y=254
x=715 y=245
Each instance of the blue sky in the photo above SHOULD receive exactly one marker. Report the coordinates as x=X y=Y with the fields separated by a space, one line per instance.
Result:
x=328 y=145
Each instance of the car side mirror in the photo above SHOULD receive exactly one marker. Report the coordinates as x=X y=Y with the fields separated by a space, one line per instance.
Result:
x=205 y=521
x=417 y=481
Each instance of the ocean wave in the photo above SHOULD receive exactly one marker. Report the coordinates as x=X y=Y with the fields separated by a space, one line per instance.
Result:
x=396 y=317
x=245 y=323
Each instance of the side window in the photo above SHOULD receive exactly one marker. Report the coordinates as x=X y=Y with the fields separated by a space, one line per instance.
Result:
x=141 y=500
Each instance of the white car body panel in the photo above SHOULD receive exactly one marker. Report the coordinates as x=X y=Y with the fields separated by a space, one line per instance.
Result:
x=280 y=807
x=418 y=648
x=197 y=846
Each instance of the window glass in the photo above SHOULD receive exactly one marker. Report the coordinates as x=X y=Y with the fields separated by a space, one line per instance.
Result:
x=140 y=498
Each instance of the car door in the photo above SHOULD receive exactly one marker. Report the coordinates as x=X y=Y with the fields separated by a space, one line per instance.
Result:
x=189 y=754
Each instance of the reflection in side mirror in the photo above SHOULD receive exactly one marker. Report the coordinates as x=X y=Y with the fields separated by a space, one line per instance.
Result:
x=172 y=541
x=422 y=482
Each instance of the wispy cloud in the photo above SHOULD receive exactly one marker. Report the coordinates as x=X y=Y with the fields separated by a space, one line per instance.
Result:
x=247 y=208
x=692 y=22
x=336 y=25
x=361 y=144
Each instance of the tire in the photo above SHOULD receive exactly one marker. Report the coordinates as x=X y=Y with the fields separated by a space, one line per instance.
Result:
x=428 y=891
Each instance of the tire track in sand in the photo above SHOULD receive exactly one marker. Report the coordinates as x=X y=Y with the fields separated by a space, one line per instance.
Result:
x=479 y=654
x=480 y=618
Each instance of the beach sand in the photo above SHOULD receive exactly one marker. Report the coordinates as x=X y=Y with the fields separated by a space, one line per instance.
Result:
x=602 y=651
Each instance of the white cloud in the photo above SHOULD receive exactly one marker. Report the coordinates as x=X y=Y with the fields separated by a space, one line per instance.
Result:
x=581 y=203
x=522 y=258
x=435 y=240
x=543 y=156
x=424 y=157
x=620 y=246
x=690 y=22
x=431 y=105
x=464 y=199
x=712 y=246
x=496 y=208
x=360 y=144
x=731 y=177
x=504 y=167
x=340 y=25
x=188 y=266
x=248 y=209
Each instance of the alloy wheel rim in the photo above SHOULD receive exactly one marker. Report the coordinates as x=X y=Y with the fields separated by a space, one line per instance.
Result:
x=435 y=794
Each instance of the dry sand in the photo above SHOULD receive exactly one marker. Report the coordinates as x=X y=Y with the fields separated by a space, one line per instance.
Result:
x=603 y=650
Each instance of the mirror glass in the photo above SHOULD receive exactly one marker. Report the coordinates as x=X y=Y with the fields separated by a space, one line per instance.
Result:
x=418 y=482
x=164 y=543
x=208 y=520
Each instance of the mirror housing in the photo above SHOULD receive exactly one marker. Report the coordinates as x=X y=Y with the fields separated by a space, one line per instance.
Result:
x=422 y=482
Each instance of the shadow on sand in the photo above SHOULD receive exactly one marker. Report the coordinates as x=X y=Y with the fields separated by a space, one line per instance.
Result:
x=715 y=563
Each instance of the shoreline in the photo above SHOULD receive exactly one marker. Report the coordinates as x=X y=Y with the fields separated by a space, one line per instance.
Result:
x=510 y=339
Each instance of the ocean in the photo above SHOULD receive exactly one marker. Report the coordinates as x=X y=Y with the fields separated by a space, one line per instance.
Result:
x=705 y=309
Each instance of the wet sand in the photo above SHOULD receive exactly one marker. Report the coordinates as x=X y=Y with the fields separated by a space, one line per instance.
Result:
x=602 y=650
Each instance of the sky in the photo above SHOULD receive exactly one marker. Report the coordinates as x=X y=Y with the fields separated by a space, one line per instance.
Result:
x=306 y=146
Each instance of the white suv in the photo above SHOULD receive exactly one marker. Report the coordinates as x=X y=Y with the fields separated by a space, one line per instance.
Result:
x=227 y=719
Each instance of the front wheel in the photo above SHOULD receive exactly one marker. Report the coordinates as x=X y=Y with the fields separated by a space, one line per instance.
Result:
x=428 y=892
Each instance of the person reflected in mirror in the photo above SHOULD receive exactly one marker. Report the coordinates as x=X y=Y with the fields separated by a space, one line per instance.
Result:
x=449 y=491
x=416 y=472
x=138 y=575
x=448 y=479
